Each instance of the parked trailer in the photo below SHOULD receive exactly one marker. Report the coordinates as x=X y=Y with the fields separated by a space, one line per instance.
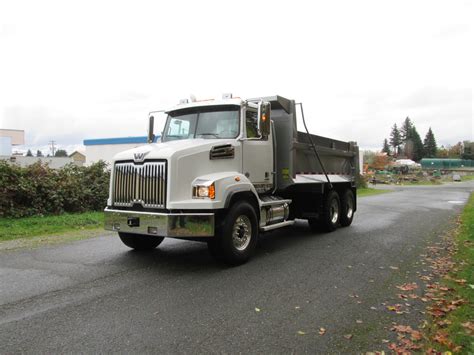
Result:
x=226 y=171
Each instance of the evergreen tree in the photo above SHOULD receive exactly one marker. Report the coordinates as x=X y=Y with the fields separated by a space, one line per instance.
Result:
x=28 y=153
x=405 y=130
x=386 y=147
x=39 y=153
x=429 y=145
x=417 y=145
x=468 y=152
x=395 y=139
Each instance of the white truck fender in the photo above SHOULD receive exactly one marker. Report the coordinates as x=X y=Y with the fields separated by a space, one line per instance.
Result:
x=226 y=185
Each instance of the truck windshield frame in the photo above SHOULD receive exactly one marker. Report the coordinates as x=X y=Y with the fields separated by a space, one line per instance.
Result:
x=208 y=122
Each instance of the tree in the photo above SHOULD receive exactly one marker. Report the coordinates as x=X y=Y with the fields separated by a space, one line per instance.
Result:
x=386 y=147
x=468 y=150
x=28 y=153
x=39 y=153
x=429 y=145
x=405 y=130
x=395 y=140
x=60 y=153
x=417 y=145
x=455 y=151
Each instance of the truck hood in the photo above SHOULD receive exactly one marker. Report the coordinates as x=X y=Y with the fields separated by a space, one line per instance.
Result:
x=166 y=150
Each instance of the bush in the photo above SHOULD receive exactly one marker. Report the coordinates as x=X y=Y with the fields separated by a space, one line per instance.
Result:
x=39 y=190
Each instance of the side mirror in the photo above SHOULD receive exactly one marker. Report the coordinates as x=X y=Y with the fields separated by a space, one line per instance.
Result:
x=264 y=118
x=151 y=136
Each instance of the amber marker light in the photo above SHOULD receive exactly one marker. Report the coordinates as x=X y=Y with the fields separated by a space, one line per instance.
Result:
x=212 y=192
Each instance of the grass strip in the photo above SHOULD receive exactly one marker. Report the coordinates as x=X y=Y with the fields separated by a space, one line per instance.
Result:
x=15 y=228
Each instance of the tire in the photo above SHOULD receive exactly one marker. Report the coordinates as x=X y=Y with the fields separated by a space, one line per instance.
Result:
x=140 y=241
x=347 y=208
x=236 y=237
x=329 y=219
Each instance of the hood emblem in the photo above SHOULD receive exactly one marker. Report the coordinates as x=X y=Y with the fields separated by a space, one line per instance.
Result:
x=139 y=157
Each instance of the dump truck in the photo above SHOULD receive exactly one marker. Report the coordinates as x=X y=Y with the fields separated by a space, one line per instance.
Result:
x=225 y=171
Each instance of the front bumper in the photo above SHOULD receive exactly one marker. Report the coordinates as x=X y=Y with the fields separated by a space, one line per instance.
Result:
x=176 y=225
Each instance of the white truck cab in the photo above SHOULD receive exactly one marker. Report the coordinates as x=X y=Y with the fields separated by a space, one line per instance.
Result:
x=225 y=171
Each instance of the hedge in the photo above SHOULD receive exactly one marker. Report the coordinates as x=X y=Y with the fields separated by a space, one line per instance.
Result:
x=39 y=190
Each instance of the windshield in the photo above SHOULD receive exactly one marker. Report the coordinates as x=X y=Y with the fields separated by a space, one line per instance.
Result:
x=213 y=122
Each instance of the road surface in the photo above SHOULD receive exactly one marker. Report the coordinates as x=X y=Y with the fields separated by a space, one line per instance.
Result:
x=95 y=295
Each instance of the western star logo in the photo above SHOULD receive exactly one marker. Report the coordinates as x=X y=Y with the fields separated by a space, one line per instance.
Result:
x=138 y=157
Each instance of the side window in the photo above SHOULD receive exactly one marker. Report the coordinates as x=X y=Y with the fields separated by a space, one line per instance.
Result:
x=251 y=123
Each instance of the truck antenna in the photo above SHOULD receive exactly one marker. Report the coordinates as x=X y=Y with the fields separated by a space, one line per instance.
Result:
x=313 y=146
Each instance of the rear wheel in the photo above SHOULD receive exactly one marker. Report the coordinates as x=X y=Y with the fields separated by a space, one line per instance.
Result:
x=140 y=241
x=347 y=208
x=329 y=218
x=236 y=238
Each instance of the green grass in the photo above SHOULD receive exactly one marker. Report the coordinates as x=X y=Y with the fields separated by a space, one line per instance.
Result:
x=463 y=270
x=367 y=191
x=467 y=177
x=15 y=228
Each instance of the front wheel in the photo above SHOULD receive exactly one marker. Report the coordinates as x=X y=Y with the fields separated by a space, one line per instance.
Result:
x=139 y=241
x=236 y=238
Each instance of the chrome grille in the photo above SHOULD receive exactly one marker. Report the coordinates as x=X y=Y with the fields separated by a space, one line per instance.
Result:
x=143 y=184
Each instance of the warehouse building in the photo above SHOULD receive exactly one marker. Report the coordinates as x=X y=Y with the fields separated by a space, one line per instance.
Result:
x=105 y=148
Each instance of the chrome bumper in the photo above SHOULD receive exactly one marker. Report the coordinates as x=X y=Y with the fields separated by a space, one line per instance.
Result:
x=161 y=224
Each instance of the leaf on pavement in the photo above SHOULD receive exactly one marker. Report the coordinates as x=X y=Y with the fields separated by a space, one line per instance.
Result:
x=358 y=321
x=394 y=267
x=348 y=336
x=408 y=286
x=300 y=332
x=257 y=309
x=322 y=331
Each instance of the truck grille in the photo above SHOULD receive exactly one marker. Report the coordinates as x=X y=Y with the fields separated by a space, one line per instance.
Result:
x=144 y=184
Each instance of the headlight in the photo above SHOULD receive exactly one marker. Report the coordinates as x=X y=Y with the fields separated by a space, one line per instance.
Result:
x=204 y=191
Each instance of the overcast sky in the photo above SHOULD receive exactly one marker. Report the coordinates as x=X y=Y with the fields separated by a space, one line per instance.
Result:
x=70 y=71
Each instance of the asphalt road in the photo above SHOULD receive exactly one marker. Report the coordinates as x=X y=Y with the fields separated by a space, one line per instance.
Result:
x=97 y=296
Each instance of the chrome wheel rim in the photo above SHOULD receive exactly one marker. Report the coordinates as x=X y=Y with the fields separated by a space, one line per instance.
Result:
x=350 y=208
x=334 y=210
x=241 y=232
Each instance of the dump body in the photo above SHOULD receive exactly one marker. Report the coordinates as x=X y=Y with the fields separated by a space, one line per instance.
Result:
x=295 y=159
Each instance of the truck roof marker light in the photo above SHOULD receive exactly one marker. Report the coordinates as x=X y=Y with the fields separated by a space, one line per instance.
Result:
x=183 y=101
x=226 y=96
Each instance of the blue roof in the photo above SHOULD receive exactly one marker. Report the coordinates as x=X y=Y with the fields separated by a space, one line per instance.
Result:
x=118 y=140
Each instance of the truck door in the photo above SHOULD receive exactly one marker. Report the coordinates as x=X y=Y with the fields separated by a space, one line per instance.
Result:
x=257 y=151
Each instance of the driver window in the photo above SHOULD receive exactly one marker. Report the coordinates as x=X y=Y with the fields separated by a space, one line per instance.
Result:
x=251 y=123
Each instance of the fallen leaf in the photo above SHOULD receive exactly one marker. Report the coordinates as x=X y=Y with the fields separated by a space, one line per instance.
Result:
x=394 y=267
x=297 y=307
x=358 y=321
x=257 y=309
x=373 y=308
x=348 y=336
x=300 y=332
x=322 y=331
x=408 y=286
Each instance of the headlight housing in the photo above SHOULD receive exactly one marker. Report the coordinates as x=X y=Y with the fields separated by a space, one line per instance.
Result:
x=204 y=191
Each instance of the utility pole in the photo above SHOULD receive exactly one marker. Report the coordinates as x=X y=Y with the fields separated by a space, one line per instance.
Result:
x=53 y=148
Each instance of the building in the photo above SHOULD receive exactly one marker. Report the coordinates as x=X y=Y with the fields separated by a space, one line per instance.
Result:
x=79 y=158
x=447 y=164
x=105 y=148
x=9 y=138
x=53 y=162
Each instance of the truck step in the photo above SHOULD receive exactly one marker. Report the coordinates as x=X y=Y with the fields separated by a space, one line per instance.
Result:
x=276 y=225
